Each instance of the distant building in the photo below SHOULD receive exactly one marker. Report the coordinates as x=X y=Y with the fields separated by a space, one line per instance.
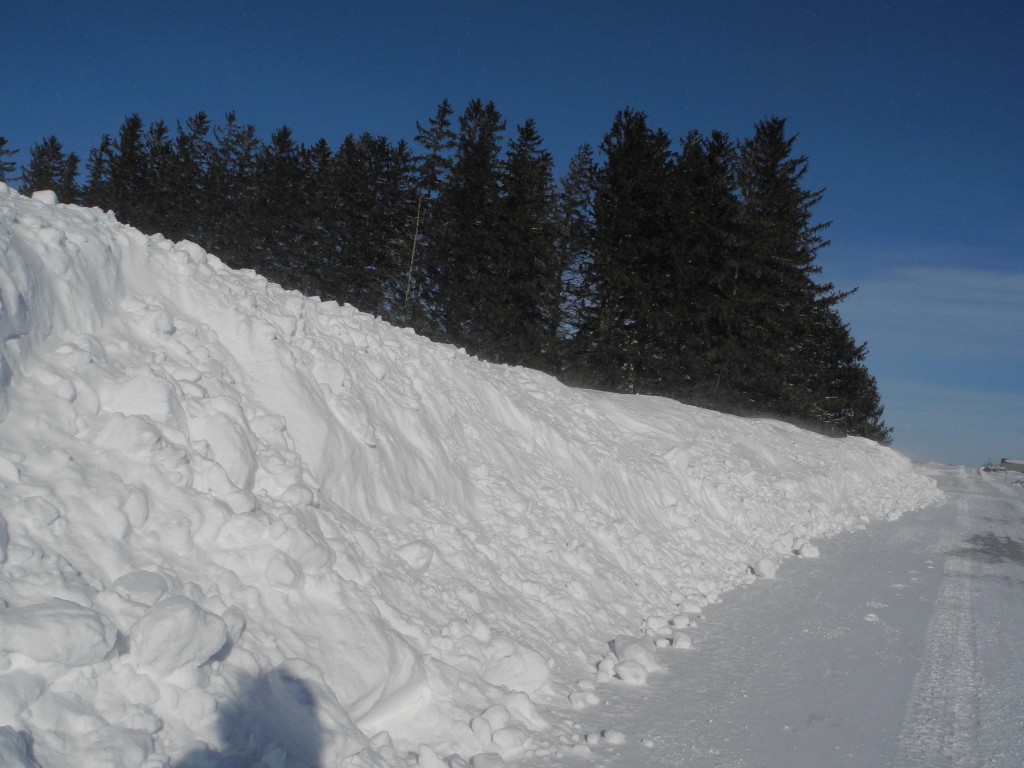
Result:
x=1014 y=465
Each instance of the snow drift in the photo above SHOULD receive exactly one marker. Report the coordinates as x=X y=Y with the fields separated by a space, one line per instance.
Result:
x=241 y=525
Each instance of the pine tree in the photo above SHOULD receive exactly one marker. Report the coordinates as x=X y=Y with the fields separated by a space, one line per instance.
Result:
x=229 y=191
x=803 y=362
x=464 y=254
x=375 y=187
x=708 y=306
x=186 y=176
x=621 y=331
x=845 y=399
x=434 y=167
x=782 y=243
x=7 y=165
x=50 y=168
x=98 y=190
x=152 y=208
x=575 y=248
x=279 y=209
x=128 y=196
x=522 y=303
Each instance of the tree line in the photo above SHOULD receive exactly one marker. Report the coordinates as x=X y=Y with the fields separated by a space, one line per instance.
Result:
x=684 y=269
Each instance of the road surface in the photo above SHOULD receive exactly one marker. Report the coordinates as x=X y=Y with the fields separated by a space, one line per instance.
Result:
x=902 y=646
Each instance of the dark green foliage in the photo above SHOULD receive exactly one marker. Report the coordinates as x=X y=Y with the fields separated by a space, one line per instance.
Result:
x=50 y=168
x=524 y=302
x=97 y=191
x=626 y=283
x=7 y=164
x=372 y=220
x=462 y=259
x=186 y=214
x=690 y=274
x=574 y=249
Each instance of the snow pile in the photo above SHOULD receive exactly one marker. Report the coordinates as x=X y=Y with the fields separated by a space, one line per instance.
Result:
x=239 y=525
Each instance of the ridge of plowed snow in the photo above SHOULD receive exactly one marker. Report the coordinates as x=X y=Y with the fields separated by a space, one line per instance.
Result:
x=241 y=524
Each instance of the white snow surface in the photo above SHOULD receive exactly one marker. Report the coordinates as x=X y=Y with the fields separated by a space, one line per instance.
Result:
x=239 y=526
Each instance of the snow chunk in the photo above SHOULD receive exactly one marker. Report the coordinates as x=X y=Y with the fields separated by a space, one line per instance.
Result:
x=521 y=670
x=58 y=631
x=681 y=640
x=765 y=568
x=808 y=550
x=631 y=672
x=177 y=633
x=417 y=555
x=45 y=196
x=614 y=736
x=638 y=649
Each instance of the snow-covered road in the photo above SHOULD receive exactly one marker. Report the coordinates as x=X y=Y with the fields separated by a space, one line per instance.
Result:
x=901 y=646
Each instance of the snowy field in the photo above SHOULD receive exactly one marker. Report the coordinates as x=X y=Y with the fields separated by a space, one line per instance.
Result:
x=240 y=527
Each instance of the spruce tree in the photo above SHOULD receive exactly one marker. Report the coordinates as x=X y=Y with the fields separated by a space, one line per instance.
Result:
x=229 y=191
x=626 y=283
x=464 y=255
x=574 y=246
x=128 y=191
x=279 y=209
x=438 y=139
x=185 y=213
x=50 y=168
x=98 y=190
x=803 y=362
x=522 y=301
x=708 y=305
x=374 y=181
x=153 y=207
x=7 y=164
x=782 y=242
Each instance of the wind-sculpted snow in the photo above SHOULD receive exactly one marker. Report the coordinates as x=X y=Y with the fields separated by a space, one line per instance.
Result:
x=239 y=524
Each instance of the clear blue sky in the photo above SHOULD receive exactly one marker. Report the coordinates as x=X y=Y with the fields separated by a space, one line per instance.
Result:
x=911 y=113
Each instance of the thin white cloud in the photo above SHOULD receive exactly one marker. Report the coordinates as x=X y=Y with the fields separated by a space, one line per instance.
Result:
x=954 y=425
x=944 y=311
x=947 y=348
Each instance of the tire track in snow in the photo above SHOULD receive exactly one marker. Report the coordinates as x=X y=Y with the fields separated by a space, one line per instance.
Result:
x=941 y=725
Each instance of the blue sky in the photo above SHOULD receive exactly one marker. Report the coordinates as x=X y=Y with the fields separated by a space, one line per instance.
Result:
x=911 y=113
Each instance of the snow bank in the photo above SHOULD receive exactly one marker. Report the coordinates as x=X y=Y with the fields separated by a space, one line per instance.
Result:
x=237 y=524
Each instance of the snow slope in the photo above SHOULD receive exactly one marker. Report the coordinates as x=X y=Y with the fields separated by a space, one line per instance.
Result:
x=240 y=525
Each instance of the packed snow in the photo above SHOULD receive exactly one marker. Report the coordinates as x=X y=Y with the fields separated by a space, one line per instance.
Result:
x=899 y=648
x=240 y=526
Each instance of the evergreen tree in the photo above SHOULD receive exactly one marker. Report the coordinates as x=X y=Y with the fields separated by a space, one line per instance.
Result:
x=279 y=209
x=522 y=303
x=229 y=191
x=375 y=187
x=98 y=190
x=845 y=396
x=128 y=166
x=574 y=246
x=50 y=168
x=186 y=216
x=803 y=361
x=707 y=305
x=782 y=242
x=438 y=139
x=621 y=330
x=153 y=209
x=464 y=255
x=7 y=165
